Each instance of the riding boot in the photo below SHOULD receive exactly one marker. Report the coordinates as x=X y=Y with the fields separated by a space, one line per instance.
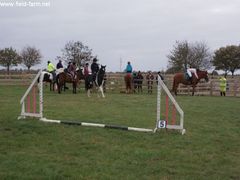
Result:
x=54 y=76
x=190 y=80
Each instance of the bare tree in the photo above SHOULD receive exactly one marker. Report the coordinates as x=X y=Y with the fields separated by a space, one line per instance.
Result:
x=76 y=52
x=185 y=54
x=199 y=56
x=178 y=57
x=30 y=56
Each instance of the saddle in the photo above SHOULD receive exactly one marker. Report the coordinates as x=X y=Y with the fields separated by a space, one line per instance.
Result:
x=187 y=77
x=73 y=77
x=50 y=76
x=128 y=75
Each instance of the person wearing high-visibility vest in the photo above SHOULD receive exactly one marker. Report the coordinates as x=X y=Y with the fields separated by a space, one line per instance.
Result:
x=223 y=86
x=51 y=69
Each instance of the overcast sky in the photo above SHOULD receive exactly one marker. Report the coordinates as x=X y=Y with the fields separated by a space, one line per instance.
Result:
x=140 y=31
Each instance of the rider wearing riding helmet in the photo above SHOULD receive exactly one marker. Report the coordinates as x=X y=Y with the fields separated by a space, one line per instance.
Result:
x=51 y=69
x=94 y=68
x=72 y=69
x=128 y=68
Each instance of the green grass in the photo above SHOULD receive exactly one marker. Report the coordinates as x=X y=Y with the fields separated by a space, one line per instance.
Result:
x=30 y=149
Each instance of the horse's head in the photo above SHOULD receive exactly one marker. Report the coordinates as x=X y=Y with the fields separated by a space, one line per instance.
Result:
x=80 y=74
x=102 y=70
x=203 y=74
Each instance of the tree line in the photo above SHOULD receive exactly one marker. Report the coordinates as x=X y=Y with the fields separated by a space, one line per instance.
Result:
x=30 y=56
x=198 y=55
x=182 y=55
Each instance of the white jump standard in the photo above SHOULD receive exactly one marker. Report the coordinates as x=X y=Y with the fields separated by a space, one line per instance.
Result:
x=164 y=123
x=159 y=123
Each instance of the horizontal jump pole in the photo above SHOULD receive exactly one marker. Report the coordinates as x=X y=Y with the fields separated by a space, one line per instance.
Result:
x=96 y=125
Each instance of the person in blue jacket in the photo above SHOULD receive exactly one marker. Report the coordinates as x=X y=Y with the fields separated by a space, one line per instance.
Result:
x=128 y=68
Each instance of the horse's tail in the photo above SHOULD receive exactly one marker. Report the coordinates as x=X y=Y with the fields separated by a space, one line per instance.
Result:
x=57 y=79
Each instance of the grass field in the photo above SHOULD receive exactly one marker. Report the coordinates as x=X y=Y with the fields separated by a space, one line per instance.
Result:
x=30 y=149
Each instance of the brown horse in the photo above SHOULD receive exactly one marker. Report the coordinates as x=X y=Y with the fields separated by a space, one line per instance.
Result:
x=128 y=82
x=181 y=78
x=65 y=77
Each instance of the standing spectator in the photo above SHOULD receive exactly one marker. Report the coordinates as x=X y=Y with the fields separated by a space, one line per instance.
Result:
x=150 y=79
x=139 y=81
x=223 y=86
x=134 y=81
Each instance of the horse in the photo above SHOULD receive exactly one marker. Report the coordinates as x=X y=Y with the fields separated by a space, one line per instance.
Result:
x=64 y=77
x=128 y=82
x=181 y=78
x=99 y=81
x=48 y=77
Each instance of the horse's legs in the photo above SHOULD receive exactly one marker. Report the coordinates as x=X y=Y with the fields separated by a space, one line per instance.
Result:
x=126 y=88
x=64 y=86
x=74 y=85
x=55 y=86
x=175 y=88
x=100 y=88
x=193 y=89
x=140 y=88
x=88 y=93
x=59 y=85
x=59 y=88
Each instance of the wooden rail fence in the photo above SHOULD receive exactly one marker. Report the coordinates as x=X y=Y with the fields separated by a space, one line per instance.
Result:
x=115 y=83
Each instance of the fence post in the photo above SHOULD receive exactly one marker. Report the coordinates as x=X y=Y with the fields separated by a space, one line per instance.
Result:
x=211 y=88
x=235 y=88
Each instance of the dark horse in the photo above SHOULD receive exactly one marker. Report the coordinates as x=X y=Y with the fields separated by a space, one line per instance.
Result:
x=98 y=82
x=128 y=82
x=48 y=77
x=65 y=77
x=181 y=78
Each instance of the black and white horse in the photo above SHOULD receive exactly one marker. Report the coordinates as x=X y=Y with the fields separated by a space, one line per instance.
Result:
x=48 y=77
x=98 y=82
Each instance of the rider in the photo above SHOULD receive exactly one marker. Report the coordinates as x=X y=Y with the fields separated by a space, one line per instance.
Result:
x=51 y=69
x=94 y=68
x=128 y=68
x=86 y=70
x=72 y=69
x=191 y=71
x=59 y=64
